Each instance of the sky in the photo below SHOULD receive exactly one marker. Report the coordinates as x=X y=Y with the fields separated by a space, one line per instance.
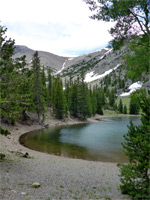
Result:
x=62 y=27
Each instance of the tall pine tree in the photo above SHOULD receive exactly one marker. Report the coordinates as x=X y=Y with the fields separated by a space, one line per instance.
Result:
x=37 y=88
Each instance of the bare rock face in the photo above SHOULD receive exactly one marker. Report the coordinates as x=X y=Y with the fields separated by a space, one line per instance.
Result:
x=47 y=59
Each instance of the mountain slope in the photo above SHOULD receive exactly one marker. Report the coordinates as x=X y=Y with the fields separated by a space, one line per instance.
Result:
x=104 y=67
x=94 y=64
x=47 y=59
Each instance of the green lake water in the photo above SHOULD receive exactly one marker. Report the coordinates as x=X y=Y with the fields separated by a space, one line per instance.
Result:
x=98 y=141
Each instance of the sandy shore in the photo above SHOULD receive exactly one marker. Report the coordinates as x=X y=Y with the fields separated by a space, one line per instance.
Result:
x=59 y=177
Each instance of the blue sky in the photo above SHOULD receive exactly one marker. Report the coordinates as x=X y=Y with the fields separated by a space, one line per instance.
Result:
x=62 y=27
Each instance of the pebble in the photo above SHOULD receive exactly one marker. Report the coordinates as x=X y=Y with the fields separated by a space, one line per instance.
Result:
x=23 y=193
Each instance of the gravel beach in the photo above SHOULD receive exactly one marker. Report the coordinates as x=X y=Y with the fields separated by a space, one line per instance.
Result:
x=59 y=177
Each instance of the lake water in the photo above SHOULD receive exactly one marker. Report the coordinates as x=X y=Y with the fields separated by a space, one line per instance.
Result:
x=98 y=141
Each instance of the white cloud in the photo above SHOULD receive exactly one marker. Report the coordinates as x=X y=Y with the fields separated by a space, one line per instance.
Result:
x=60 y=27
x=43 y=11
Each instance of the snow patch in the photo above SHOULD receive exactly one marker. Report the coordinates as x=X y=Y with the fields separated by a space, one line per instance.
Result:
x=89 y=77
x=105 y=54
x=63 y=66
x=135 y=86
x=108 y=52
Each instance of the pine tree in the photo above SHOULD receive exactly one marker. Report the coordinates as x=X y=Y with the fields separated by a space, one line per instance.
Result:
x=24 y=87
x=94 y=101
x=14 y=98
x=7 y=106
x=49 y=89
x=37 y=88
x=135 y=177
x=59 y=104
x=102 y=97
x=73 y=106
x=84 y=106
x=111 y=98
x=120 y=106
x=99 y=103
x=43 y=81
x=68 y=85
x=134 y=105
x=125 y=109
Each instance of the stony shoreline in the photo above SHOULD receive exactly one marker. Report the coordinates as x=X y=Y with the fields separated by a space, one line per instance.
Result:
x=59 y=177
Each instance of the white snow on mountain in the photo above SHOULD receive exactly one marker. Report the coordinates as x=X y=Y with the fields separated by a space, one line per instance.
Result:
x=63 y=66
x=135 y=86
x=89 y=77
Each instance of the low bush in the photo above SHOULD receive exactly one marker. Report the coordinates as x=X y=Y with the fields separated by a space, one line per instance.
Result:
x=4 y=132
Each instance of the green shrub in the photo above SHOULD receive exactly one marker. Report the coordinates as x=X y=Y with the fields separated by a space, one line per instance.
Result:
x=13 y=122
x=4 y=132
x=2 y=156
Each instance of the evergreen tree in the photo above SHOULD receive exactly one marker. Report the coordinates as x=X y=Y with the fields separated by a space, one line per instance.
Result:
x=135 y=177
x=24 y=87
x=7 y=88
x=112 y=98
x=120 y=106
x=49 y=89
x=115 y=107
x=102 y=97
x=134 y=105
x=99 y=104
x=37 y=88
x=125 y=109
x=59 y=106
x=67 y=91
x=73 y=106
x=94 y=101
x=84 y=106
x=43 y=81
x=14 y=95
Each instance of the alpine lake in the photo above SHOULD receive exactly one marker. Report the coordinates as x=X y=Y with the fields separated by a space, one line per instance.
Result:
x=96 y=141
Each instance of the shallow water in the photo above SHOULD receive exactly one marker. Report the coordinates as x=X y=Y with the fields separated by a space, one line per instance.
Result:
x=98 y=141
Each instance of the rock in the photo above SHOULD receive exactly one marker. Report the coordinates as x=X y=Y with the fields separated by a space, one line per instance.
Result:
x=26 y=155
x=23 y=193
x=46 y=126
x=14 y=191
x=23 y=154
x=36 y=185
